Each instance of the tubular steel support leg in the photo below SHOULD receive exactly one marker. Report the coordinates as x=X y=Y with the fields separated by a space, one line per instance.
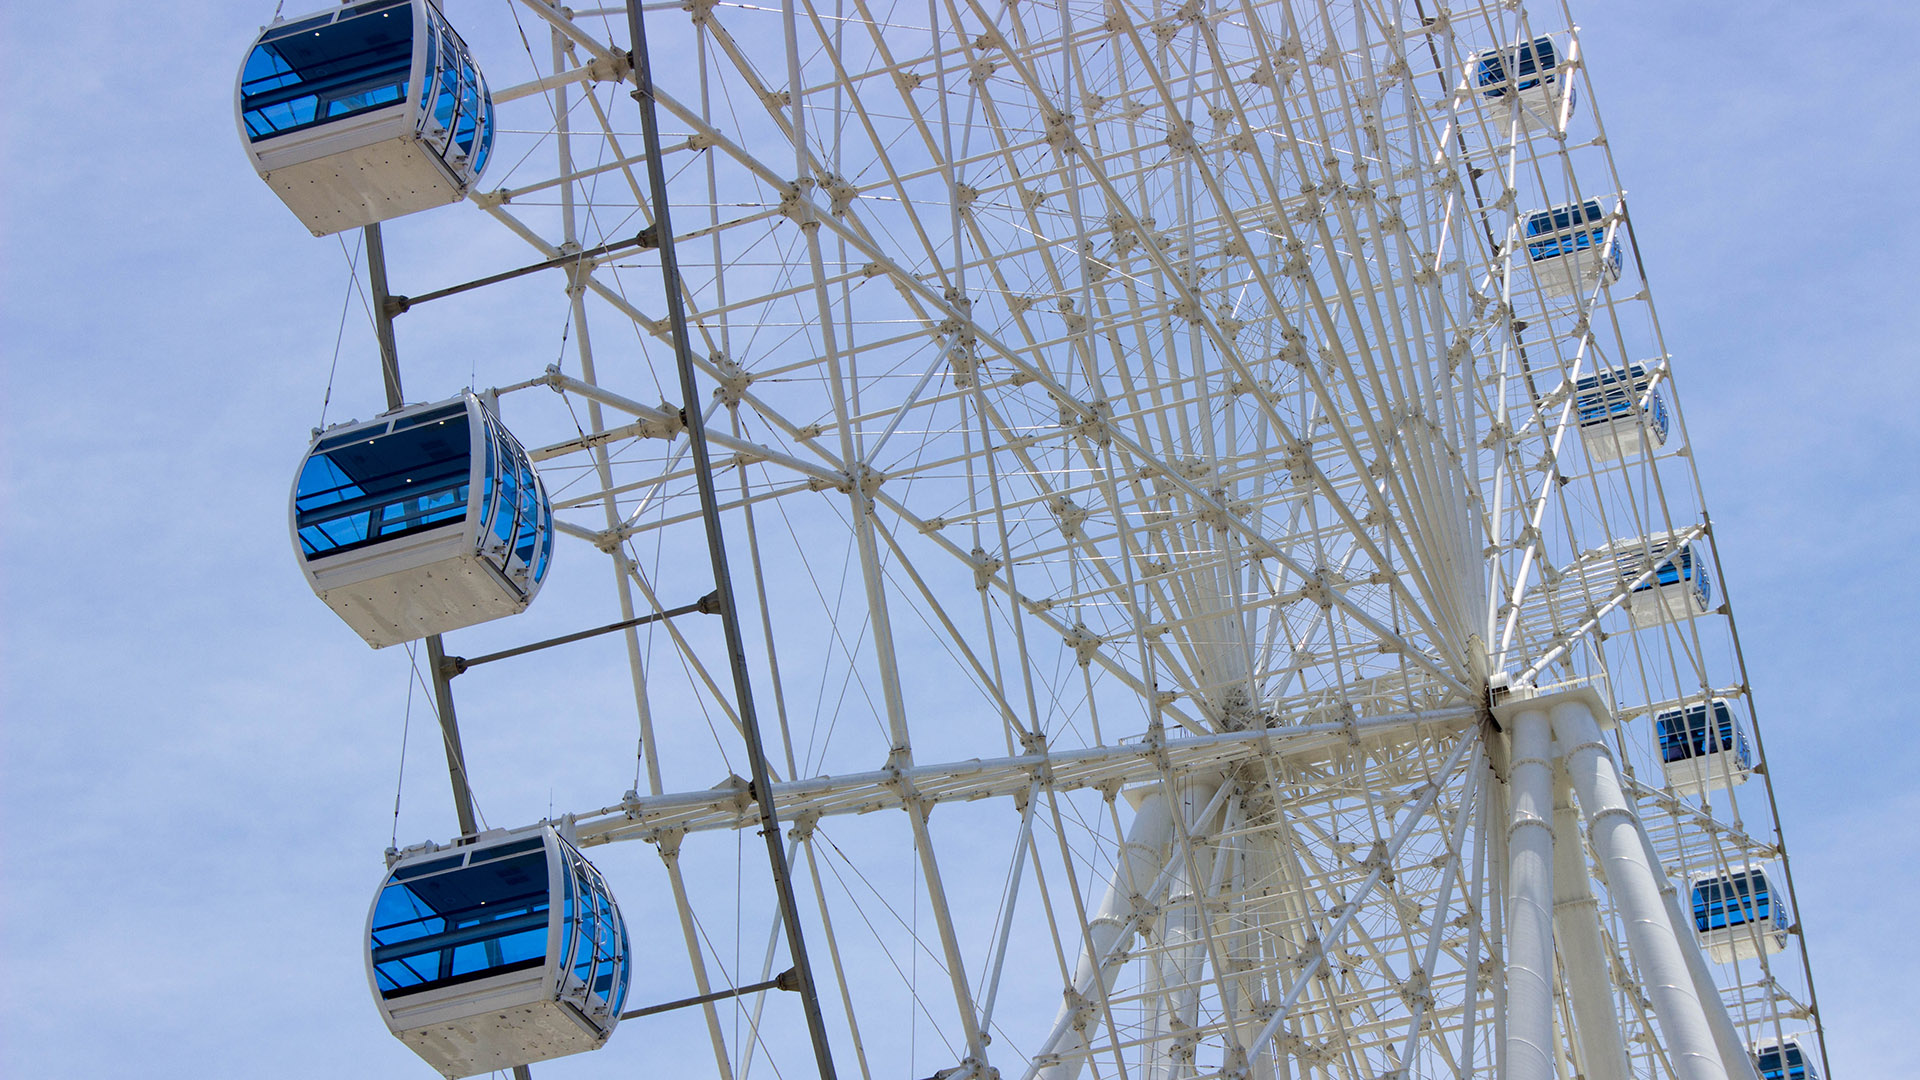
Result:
x=1576 y=926
x=1635 y=889
x=716 y=546
x=1733 y=1050
x=1529 y=1037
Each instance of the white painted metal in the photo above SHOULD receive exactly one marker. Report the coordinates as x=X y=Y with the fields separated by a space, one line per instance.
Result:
x=1584 y=956
x=1530 y=901
x=504 y=1020
x=1719 y=767
x=1622 y=416
x=1651 y=602
x=1113 y=399
x=1151 y=867
x=1539 y=102
x=371 y=167
x=429 y=582
x=1733 y=1053
x=1656 y=946
x=1752 y=938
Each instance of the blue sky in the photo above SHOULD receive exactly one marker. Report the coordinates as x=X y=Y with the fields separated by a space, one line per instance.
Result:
x=196 y=770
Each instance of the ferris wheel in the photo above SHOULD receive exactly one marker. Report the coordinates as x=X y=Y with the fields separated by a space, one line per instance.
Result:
x=1181 y=513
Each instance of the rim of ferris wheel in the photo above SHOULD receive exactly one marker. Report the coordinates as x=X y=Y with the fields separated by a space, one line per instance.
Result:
x=1680 y=585
x=425 y=519
x=1738 y=914
x=1530 y=78
x=1621 y=414
x=1784 y=1060
x=1177 y=959
x=1572 y=247
x=364 y=113
x=497 y=951
x=1698 y=756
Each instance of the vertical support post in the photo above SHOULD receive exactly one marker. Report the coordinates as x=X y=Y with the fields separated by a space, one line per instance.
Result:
x=436 y=655
x=1733 y=1050
x=383 y=315
x=1635 y=889
x=1576 y=925
x=716 y=545
x=1529 y=1035
x=450 y=735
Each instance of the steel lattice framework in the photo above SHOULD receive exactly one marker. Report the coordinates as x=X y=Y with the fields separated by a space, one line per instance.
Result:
x=1147 y=455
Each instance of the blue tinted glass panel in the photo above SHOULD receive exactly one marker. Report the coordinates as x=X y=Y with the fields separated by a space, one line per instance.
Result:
x=546 y=543
x=486 y=135
x=433 y=867
x=526 y=538
x=431 y=416
x=1686 y=734
x=293 y=80
x=440 y=929
x=383 y=486
x=504 y=850
x=464 y=130
x=1734 y=901
x=1607 y=395
x=297 y=27
x=506 y=501
x=1492 y=72
x=597 y=948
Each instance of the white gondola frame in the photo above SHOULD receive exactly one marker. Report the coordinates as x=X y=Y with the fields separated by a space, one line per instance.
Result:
x=1658 y=603
x=1547 y=105
x=373 y=166
x=513 y=1018
x=1576 y=271
x=1751 y=936
x=440 y=579
x=1644 y=428
x=1715 y=769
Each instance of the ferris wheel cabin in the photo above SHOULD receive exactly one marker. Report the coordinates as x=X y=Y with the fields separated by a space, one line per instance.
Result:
x=1572 y=248
x=1738 y=915
x=1784 y=1061
x=427 y=519
x=1681 y=586
x=1529 y=79
x=1702 y=747
x=502 y=953
x=1621 y=413
x=364 y=113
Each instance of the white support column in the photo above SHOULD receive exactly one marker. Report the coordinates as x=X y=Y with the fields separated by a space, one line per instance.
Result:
x=1529 y=1039
x=1576 y=926
x=1733 y=1050
x=1143 y=872
x=1634 y=888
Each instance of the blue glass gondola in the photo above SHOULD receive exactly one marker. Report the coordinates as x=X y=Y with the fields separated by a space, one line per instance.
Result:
x=1702 y=747
x=504 y=952
x=364 y=113
x=1621 y=413
x=1528 y=78
x=1680 y=588
x=424 y=520
x=1570 y=250
x=1785 y=1061
x=1738 y=915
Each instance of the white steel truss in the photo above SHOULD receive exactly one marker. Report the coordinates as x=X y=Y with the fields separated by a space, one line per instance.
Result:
x=1148 y=449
